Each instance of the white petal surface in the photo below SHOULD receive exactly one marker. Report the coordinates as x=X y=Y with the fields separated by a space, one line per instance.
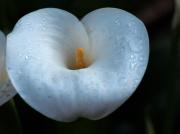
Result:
x=120 y=45
x=42 y=45
x=6 y=89
x=37 y=51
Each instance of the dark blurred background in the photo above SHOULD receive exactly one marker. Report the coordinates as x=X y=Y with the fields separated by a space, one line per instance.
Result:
x=155 y=106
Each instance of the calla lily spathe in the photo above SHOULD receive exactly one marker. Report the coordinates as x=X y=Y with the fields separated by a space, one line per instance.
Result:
x=40 y=54
x=6 y=89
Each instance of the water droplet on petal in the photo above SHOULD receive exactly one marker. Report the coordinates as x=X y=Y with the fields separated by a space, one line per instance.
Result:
x=141 y=59
x=132 y=56
x=26 y=57
x=117 y=21
x=129 y=25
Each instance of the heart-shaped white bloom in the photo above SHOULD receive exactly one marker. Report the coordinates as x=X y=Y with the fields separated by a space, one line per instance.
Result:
x=41 y=54
x=6 y=89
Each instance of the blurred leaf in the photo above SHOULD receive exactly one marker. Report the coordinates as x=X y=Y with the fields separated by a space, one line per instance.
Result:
x=176 y=18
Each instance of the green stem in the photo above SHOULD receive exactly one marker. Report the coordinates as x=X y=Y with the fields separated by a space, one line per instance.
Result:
x=84 y=126
x=148 y=124
x=81 y=126
x=9 y=119
x=16 y=115
x=173 y=68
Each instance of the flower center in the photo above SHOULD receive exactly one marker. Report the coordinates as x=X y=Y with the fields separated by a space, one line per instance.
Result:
x=79 y=59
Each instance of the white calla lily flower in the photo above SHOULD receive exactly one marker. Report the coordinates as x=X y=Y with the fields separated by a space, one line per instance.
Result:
x=6 y=89
x=66 y=68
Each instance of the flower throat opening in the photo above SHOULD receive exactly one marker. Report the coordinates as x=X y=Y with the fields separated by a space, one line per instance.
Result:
x=79 y=59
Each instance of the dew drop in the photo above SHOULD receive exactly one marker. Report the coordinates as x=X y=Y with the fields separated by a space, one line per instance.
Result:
x=141 y=59
x=117 y=21
x=19 y=72
x=129 y=25
x=29 y=25
x=133 y=65
x=135 y=83
x=44 y=19
x=132 y=56
x=26 y=57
